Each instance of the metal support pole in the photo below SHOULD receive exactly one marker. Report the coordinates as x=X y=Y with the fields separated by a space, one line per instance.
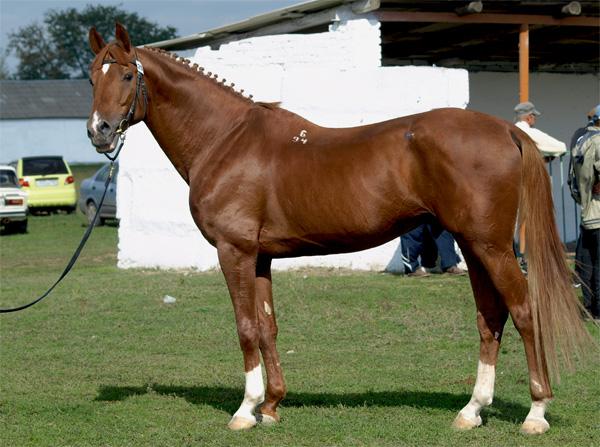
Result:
x=562 y=199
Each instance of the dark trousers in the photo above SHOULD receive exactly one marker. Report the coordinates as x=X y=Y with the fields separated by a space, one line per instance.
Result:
x=587 y=257
x=427 y=241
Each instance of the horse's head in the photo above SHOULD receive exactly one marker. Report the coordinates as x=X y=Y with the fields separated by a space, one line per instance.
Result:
x=116 y=76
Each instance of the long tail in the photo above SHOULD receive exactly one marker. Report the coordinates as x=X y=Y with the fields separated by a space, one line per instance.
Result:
x=557 y=312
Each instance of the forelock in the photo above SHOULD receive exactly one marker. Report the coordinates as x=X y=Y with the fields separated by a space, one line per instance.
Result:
x=111 y=51
x=98 y=60
x=118 y=53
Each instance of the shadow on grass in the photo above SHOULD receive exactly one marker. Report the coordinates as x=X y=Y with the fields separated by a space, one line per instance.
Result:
x=229 y=399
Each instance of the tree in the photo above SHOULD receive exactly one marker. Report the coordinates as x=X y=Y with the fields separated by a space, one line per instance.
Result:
x=59 y=49
x=37 y=55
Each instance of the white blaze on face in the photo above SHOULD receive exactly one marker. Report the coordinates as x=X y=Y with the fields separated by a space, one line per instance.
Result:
x=105 y=68
x=483 y=392
x=95 y=121
x=254 y=394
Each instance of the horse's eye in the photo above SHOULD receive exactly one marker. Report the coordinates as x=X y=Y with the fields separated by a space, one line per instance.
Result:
x=91 y=83
x=128 y=76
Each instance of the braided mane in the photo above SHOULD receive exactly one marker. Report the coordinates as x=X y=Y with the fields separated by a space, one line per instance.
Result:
x=211 y=76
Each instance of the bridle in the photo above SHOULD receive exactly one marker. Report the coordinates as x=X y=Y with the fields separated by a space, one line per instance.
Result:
x=140 y=88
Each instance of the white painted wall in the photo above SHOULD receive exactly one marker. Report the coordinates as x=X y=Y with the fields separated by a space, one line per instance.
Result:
x=66 y=137
x=563 y=100
x=334 y=79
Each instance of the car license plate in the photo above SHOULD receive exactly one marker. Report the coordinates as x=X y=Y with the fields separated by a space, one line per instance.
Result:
x=47 y=182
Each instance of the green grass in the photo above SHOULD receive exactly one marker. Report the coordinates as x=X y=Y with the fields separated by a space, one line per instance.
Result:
x=369 y=359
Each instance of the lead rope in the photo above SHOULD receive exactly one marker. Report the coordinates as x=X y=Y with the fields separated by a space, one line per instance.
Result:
x=123 y=126
x=86 y=235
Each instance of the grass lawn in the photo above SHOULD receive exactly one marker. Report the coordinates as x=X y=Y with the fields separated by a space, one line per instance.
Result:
x=370 y=359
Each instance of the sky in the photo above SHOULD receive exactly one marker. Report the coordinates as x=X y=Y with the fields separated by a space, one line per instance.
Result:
x=187 y=16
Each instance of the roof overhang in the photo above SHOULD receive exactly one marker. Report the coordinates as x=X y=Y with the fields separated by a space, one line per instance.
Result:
x=476 y=35
x=290 y=19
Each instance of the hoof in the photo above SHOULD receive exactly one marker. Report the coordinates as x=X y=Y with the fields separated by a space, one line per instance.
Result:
x=462 y=423
x=534 y=426
x=238 y=423
x=267 y=419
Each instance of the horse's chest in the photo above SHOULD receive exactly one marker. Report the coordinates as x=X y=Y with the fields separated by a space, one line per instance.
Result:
x=225 y=215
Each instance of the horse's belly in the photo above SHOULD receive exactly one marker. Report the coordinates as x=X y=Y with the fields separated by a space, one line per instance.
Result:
x=293 y=244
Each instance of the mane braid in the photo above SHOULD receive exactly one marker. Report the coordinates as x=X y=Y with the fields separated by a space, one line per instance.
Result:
x=211 y=76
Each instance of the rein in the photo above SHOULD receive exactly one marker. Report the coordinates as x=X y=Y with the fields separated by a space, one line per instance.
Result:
x=121 y=130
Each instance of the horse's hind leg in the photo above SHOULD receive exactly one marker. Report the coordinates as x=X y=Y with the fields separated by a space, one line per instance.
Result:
x=491 y=317
x=510 y=284
x=268 y=336
x=239 y=268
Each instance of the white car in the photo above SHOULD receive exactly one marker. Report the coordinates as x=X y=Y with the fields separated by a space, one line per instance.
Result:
x=13 y=201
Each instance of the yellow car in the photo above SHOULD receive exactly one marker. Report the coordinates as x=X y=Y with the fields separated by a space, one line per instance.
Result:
x=49 y=183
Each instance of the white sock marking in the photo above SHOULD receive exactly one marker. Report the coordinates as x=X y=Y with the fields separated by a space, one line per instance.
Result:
x=253 y=395
x=538 y=410
x=483 y=392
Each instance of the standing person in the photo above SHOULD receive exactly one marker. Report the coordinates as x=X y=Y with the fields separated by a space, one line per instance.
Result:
x=584 y=181
x=425 y=242
x=579 y=132
x=525 y=117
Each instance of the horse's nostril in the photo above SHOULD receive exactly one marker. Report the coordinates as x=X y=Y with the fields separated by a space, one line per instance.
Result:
x=89 y=133
x=104 y=128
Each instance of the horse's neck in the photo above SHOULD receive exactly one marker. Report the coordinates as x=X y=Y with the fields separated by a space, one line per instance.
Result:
x=187 y=111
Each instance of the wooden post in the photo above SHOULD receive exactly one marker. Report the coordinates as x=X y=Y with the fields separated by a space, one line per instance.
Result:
x=523 y=95
x=524 y=63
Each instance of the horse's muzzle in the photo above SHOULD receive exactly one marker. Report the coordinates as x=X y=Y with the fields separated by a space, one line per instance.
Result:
x=102 y=135
x=107 y=147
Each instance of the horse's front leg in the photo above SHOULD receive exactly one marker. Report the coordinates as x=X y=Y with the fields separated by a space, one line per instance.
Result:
x=239 y=268
x=268 y=336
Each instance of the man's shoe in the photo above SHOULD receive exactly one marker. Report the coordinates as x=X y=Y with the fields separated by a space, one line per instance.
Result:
x=420 y=272
x=457 y=271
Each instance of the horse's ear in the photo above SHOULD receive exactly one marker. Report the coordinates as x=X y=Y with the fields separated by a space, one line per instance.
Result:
x=96 y=40
x=122 y=36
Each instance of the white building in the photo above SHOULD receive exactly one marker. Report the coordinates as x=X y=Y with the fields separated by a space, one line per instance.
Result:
x=46 y=118
x=337 y=63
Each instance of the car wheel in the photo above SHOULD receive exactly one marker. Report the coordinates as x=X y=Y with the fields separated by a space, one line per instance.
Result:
x=21 y=226
x=90 y=212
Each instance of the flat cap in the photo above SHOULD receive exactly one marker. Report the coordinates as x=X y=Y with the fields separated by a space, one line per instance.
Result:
x=526 y=108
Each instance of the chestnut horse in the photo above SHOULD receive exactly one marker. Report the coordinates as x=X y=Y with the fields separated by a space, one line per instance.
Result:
x=266 y=183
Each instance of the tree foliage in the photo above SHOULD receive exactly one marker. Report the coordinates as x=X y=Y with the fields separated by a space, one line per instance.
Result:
x=59 y=48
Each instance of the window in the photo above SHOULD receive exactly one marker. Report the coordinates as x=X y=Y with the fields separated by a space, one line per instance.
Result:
x=102 y=174
x=44 y=166
x=8 y=179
